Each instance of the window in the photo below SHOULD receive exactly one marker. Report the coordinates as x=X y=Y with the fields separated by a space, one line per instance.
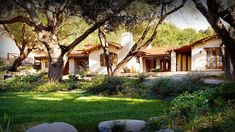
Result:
x=112 y=56
x=213 y=58
x=46 y=64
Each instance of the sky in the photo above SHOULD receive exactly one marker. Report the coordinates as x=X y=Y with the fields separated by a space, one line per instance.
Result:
x=188 y=17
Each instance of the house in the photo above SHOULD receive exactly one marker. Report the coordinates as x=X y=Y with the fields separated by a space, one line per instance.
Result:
x=201 y=55
x=149 y=59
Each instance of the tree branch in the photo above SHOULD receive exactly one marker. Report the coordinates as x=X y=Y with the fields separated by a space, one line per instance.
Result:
x=12 y=36
x=135 y=49
x=97 y=25
x=32 y=13
x=225 y=14
x=20 y=19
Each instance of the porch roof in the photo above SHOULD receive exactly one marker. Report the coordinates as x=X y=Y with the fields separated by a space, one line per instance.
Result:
x=187 y=48
x=116 y=45
x=72 y=54
x=159 y=51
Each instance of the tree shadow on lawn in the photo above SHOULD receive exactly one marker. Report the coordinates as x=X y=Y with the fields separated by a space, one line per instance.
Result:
x=81 y=110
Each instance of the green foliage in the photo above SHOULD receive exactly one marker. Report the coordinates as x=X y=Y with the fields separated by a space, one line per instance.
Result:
x=5 y=123
x=21 y=83
x=72 y=82
x=189 y=105
x=227 y=90
x=195 y=78
x=16 y=30
x=164 y=87
x=201 y=110
x=115 y=85
x=167 y=87
x=50 y=87
x=159 y=122
x=141 y=77
x=107 y=85
x=3 y=65
x=228 y=120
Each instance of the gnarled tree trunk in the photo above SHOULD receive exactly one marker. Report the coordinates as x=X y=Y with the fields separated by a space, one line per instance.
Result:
x=218 y=26
x=105 y=47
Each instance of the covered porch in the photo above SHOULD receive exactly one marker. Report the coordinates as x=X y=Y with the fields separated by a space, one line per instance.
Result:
x=155 y=60
x=181 y=59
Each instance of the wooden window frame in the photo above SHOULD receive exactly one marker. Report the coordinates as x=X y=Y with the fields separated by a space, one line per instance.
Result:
x=114 y=59
x=211 y=58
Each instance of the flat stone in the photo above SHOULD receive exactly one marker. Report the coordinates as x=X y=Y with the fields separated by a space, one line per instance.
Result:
x=165 y=130
x=213 y=81
x=129 y=125
x=53 y=127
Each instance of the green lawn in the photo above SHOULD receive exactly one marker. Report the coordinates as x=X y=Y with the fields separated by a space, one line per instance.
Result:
x=81 y=110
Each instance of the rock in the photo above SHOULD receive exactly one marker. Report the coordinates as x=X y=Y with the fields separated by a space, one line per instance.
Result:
x=53 y=127
x=165 y=130
x=129 y=125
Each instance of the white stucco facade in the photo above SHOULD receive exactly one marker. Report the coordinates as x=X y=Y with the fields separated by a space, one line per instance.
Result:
x=197 y=61
x=199 y=54
x=126 y=42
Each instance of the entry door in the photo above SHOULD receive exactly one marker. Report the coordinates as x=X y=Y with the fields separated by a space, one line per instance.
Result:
x=150 y=64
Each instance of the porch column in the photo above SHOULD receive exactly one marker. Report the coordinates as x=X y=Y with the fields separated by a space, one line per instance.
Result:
x=173 y=61
x=141 y=64
x=71 y=66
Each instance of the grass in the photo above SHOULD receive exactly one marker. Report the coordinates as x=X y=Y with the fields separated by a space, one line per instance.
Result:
x=81 y=110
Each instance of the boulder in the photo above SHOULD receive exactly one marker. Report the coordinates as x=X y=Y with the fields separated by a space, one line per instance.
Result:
x=128 y=125
x=53 y=127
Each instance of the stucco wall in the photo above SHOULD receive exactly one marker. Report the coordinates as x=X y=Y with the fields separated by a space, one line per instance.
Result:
x=199 y=54
x=43 y=65
x=94 y=60
x=94 y=56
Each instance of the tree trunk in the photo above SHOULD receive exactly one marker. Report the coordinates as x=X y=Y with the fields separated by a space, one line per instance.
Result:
x=226 y=62
x=105 y=47
x=220 y=29
x=16 y=64
x=55 y=72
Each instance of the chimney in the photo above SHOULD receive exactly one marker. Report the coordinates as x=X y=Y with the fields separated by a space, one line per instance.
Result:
x=127 y=39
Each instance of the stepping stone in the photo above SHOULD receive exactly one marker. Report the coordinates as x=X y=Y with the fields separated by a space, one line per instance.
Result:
x=53 y=127
x=128 y=125
x=165 y=130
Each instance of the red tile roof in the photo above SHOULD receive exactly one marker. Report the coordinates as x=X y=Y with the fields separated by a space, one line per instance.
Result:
x=159 y=51
x=189 y=46
x=118 y=46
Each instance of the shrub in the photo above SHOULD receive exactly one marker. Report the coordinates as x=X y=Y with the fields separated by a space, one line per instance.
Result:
x=72 y=82
x=107 y=85
x=134 y=89
x=141 y=77
x=190 y=104
x=195 y=78
x=50 y=87
x=160 y=122
x=21 y=83
x=228 y=120
x=227 y=90
x=5 y=123
x=192 y=82
x=164 y=87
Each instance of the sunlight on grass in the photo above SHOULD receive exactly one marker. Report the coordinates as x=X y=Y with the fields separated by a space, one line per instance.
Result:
x=46 y=98
x=79 y=109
